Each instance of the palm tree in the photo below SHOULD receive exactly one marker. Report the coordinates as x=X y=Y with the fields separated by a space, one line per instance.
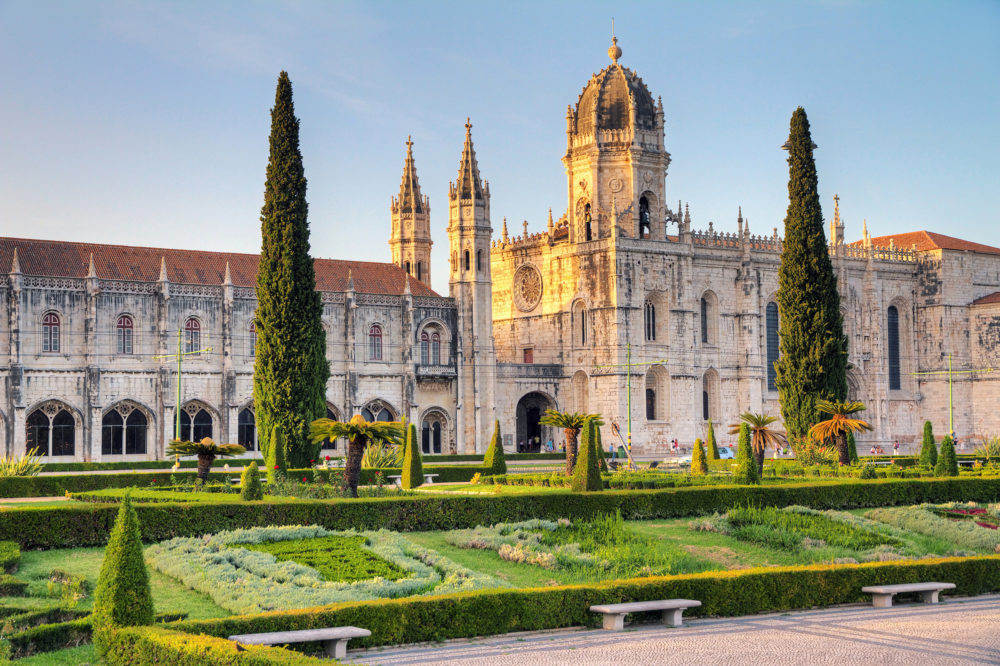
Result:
x=571 y=423
x=761 y=435
x=206 y=450
x=359 y=434
x=839 y=424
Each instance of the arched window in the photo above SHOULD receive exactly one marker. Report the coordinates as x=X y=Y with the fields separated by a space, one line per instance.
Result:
x=644 y=229
x=579 y=321
x=50 y=332
x=893 y=345
x=196 y=424
x=649 y=319
x=252 y=339
x=123 y=430
x=467 y=263
x=420 y=271
x=425 y=348
x=192 y=335
x=246 y=429
x=135 y=433
x=709 y=318
x=771 y=322
x=657 y=393
x=375 y=343
x=710 y=396
x=52 y=431
x=112 y=434
x=479 y=260
x=376 y=412
x=650 y=404
x=704 y=319
x=587 y=223
x=431 y=433
x=123 y=330
x=406 y=267
x=436 y=348
x=330 y=444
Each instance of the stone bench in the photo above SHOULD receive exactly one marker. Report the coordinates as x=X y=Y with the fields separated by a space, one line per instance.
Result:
x=397 y=479
x=334 y=639
x=882 y=594
x=614 y=614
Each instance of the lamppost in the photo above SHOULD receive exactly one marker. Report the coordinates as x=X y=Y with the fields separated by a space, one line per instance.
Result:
x=180 y=359
x=628 y=364
x=950 y=372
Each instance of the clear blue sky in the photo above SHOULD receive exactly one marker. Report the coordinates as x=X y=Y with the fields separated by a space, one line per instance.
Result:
x=147 y=122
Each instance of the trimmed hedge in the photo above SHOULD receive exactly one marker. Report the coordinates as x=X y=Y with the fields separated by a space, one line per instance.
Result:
x=731 y=593
x=66 y=629
x=156 y=645
x=90 y=524
x=10 y=556
x=11 y=586
x=138 y=464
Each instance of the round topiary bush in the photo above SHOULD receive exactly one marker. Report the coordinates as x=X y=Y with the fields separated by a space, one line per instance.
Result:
x=251 y=488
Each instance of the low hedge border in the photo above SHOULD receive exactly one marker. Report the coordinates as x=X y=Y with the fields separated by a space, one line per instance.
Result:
x=156 y=645
x=730 y=593
x=90 y=524
x=59 y=635
x=52 y=486
x=10 y=556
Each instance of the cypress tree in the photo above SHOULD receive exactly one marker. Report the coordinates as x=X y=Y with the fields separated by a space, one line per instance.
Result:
x=713 y=449
x=813 y=349
x=601 y=453
x=746 y=465
x=587 y=474
x=250 y=486
x=413 y=467
x=277 y=463
x=947 y=463
x=928 y=450
x=699 y=465
x=494 y=457
x=290 y=368
x=852 y=448
x=122 y=597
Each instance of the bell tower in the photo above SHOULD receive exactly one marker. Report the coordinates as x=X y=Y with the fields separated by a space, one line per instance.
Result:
x=410 y=239
x=470 y=285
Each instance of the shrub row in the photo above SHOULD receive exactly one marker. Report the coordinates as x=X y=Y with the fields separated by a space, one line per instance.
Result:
x=89 y=525
x=156 y=645
x=51 y=486
x=12 y=586
x=62 y=633
x=731 y=593
x=10 y=556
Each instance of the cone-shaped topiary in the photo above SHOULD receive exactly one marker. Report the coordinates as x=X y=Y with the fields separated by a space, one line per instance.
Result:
x=250 y=486
x=947 y=463
x=122 y=597
x=928 y=450
x=699 y=465
x=852 y=448
x=494 y=458
x=587 y=474
x=746 y=465
x=601 y=454
x=713 y=448
x=277 y=464
x=812 y=360
x=413 y=466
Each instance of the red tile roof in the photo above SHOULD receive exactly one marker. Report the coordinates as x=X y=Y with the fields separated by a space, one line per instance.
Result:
x=988 y=300
x=142 y=264
x=928 y=240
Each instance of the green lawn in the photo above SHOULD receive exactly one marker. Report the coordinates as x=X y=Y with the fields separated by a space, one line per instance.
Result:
x=83 y=655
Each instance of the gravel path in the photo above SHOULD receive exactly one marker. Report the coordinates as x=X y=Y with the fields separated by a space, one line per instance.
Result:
x=961 y=631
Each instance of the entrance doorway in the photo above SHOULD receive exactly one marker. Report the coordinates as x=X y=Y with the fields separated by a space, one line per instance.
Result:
x=531 y=435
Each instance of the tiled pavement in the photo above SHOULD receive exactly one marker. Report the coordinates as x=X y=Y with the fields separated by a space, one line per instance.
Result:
x=959 y=631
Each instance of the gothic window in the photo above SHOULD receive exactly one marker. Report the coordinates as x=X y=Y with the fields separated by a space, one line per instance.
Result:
x=771 y=322
x=52 y=430
x=644 y=229
x=431 y=433
x=246 y=430
x=329 y=445
x=123 y=430
x=252 y=339
x=123 y=330
x=196 y=424
x=135 y=433
x=657 y=393
x=587 y=223
x=709 y=318
x=479 y=261
x=893 y=344
x=436 y=348
x=650 y=404
x=420 y=271
x=425 y=348
x=407 y=268
x=467 y=264
x=710 y=395
x=192 y=335
x=375 y=343
x=579 y=321
x=704 y=404
x=112 y=433
x=50 y=332
x=376 y=412
x=704 y=319
x=649 y=317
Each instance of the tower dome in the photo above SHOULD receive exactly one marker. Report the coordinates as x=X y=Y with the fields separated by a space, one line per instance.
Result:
x=610 y=98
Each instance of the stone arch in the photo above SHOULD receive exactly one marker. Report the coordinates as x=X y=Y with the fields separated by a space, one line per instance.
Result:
x=379 y=410
x=656 y=306
x=194 y=422
x=654 y=222
x=581 y=392
x=432 y=350
x=55 y=427
x=531 y=435
x=587 y=226
x=334 y=414
x=435 y=432
x=126 y=428
x=710 y=407
x=657 y=394
x=125 y=338
x=854 y=385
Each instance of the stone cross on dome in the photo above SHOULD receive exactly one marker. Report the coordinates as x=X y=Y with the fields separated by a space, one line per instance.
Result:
x=615 y=51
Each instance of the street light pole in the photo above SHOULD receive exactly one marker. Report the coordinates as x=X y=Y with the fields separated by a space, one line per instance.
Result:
x=628 y=387
x=180 y=359
x=951 y=392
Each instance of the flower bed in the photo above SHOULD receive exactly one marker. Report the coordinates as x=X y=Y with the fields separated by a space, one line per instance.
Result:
x=924 y=519
x=245 y=580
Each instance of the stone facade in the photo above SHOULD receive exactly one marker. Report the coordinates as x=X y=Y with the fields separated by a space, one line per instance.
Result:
x=620 y=291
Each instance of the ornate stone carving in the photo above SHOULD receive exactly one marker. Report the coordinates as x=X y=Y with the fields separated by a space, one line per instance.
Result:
x=527 y=288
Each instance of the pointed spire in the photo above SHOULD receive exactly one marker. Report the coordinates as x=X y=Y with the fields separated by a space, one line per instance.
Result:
x=163 y=269
x=739 y=222
x=15 y=265
x=350 y=280
x=469 y=185
x=687 y=215
x=406 y=284
x=91 y=271
x=552 y=225
x=228 y=279
x=506 y=238
x=410 y=200
x=525 y=230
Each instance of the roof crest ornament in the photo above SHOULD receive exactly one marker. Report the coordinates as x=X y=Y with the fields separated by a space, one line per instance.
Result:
x=615 y=51
x=91 y=272
x=163 y=268
x=15 y=265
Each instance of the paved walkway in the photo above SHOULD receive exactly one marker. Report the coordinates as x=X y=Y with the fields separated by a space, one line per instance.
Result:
x=961 y=631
